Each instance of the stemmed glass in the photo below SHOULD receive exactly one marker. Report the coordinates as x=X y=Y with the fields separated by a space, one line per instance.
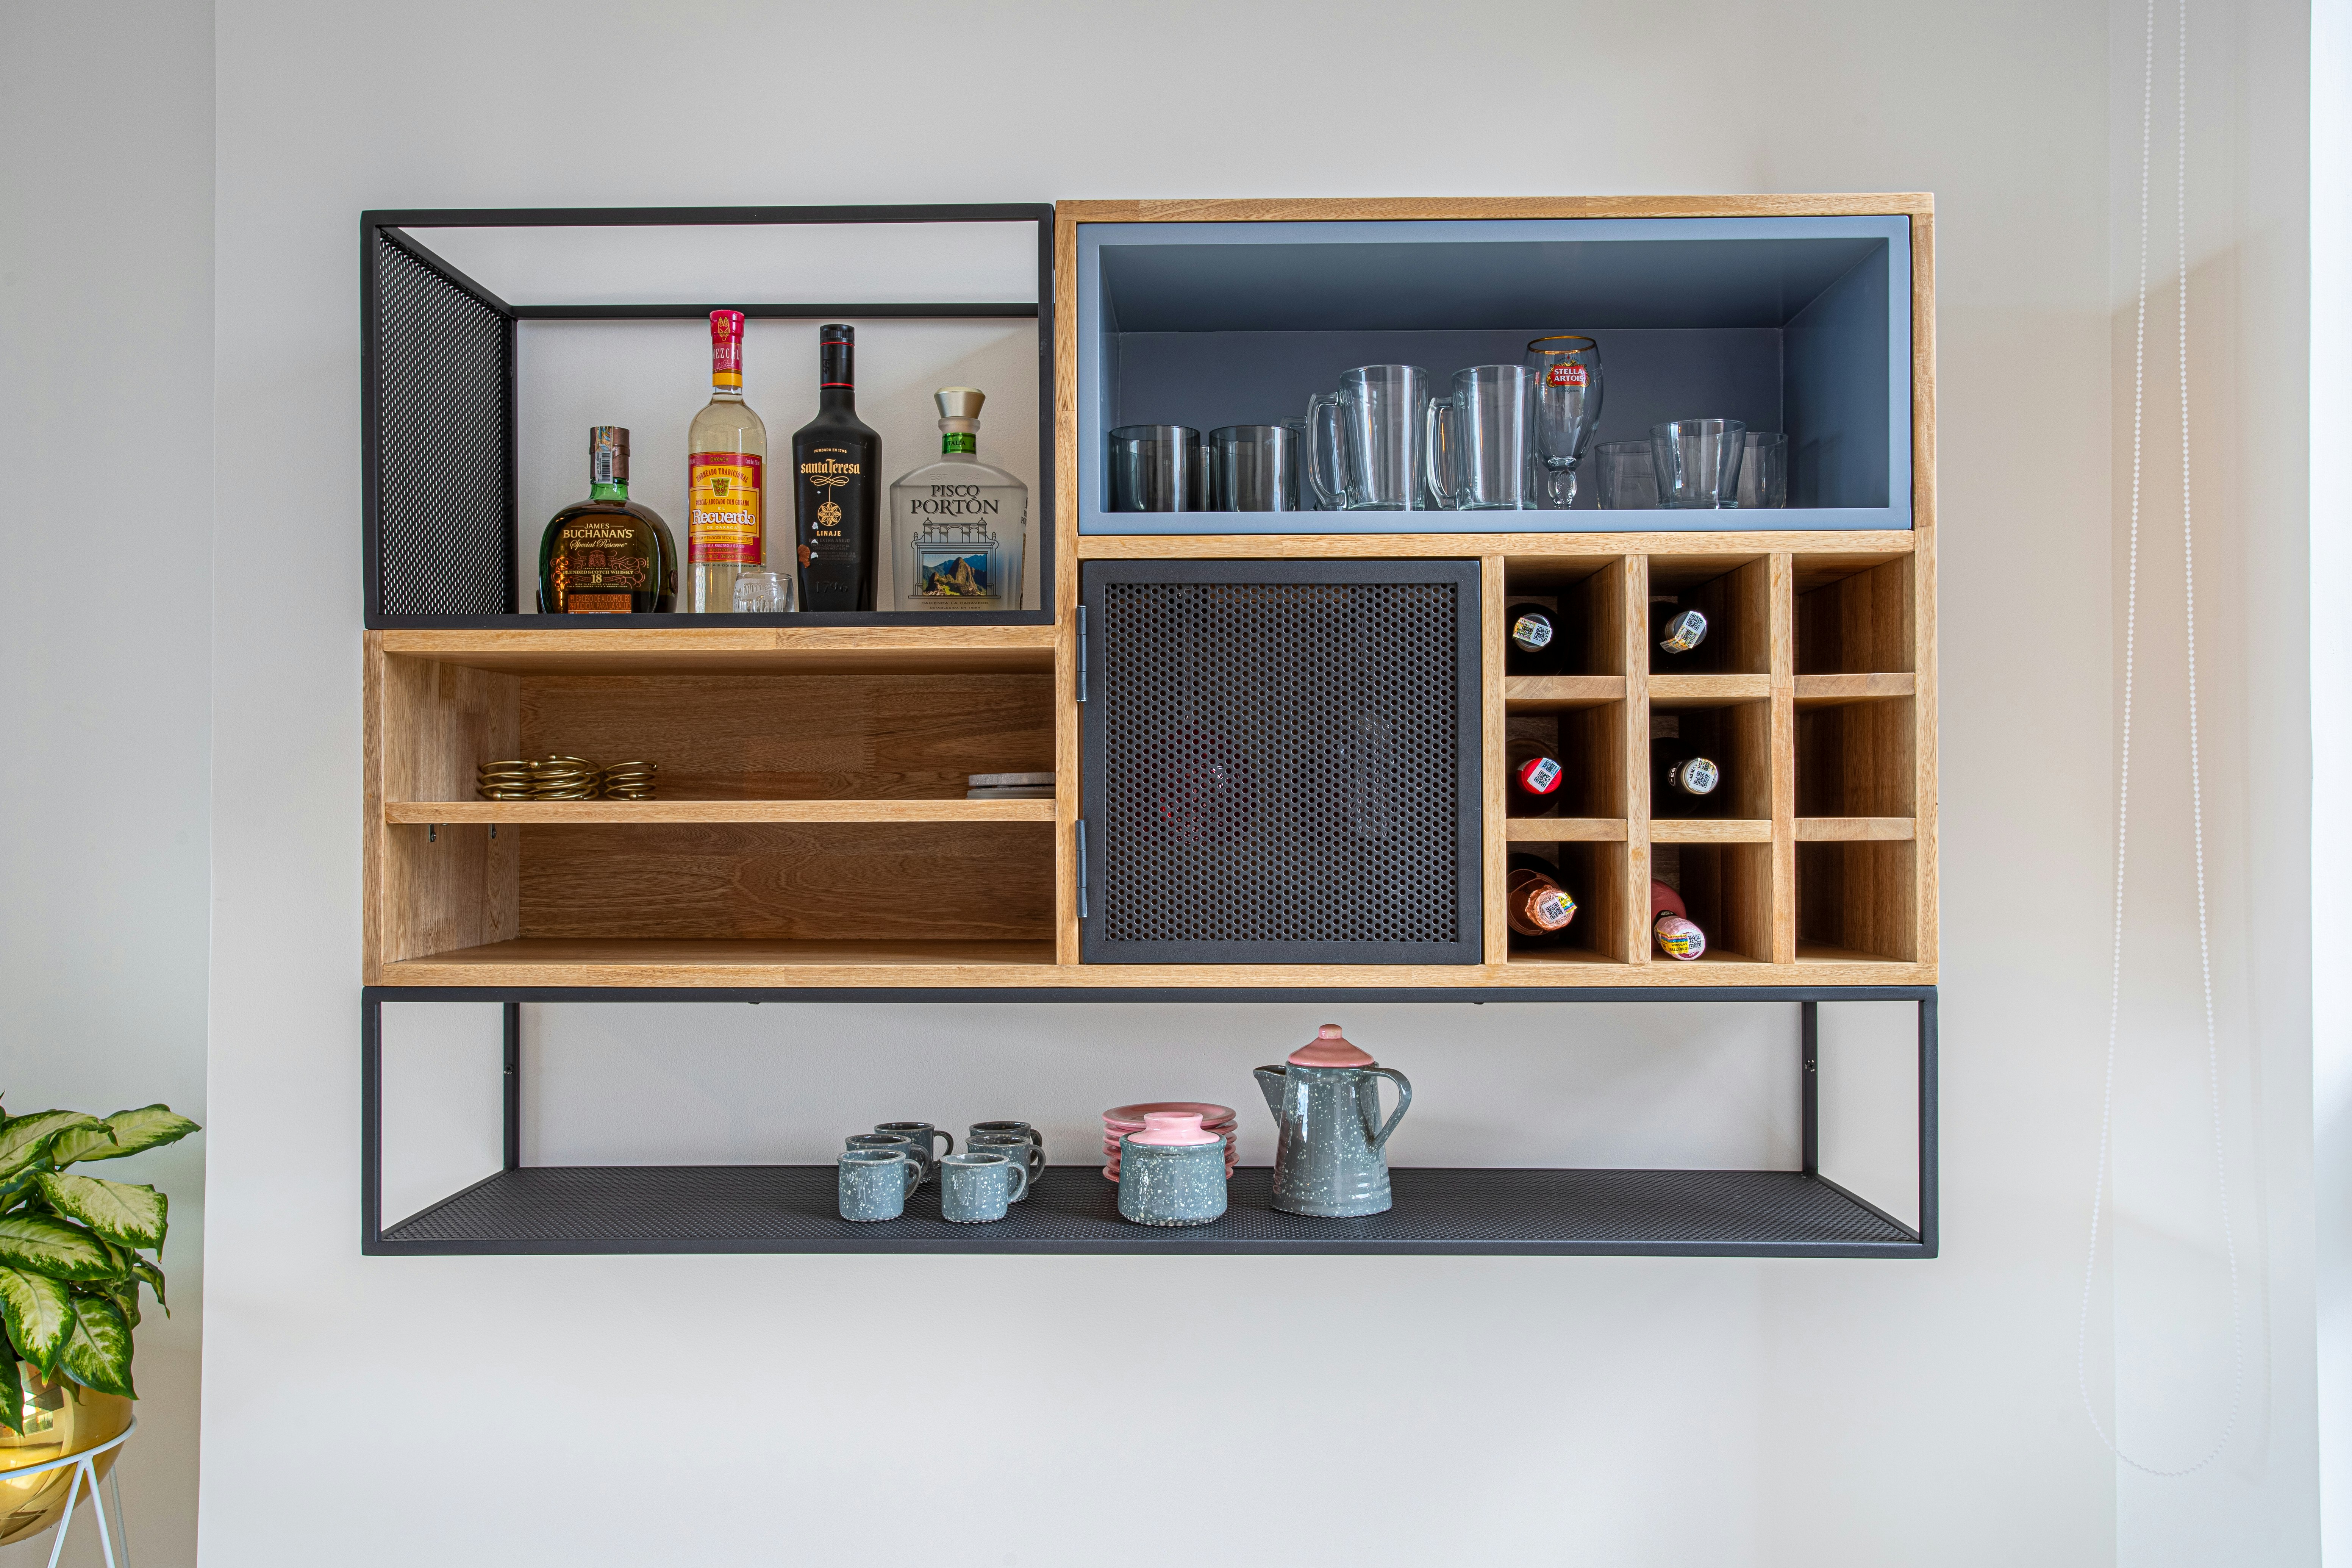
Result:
x=1567 y=371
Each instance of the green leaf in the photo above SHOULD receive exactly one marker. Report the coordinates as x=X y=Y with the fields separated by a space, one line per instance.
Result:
x=42 y=1245
x=97 y=1352
x=23 y=1138
x=39 y=1314
x=125 y=1132
x=12 y=1396
x=145 y=1271
x=131 y=1216
x=123 y=1292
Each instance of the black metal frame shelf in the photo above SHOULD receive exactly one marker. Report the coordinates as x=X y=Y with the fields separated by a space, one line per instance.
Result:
x=789 y=1208
x=486 y=535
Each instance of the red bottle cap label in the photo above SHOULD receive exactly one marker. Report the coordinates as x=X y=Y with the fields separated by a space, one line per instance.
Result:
x=726 y=348
x=1679 y=938
x=1539 y=776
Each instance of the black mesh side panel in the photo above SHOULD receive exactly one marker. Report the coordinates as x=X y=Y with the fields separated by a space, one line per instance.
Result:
x=1281 y=764
x=443 y=527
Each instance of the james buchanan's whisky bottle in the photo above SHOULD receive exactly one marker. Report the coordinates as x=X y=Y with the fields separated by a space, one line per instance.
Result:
x=836 y=485
x=957 y=525
x=607 y=555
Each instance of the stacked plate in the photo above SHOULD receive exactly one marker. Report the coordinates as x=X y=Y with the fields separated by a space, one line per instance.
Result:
x=1009 y=787
x=1121 y=1119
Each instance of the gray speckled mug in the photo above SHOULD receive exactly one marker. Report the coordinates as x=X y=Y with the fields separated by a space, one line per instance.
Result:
x=1024 y=1149
x=891 y=1140
x=875 y=1184
x=1163 y=1180
x=920 y=1133
x=975 y=1188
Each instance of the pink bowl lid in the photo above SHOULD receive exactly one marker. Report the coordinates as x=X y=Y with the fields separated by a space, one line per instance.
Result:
x=1176 y=1129
x=1129 y=1118
x=1328 y=1050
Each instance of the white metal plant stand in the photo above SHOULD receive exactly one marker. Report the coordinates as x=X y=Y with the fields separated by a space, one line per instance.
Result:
x=85 y=1466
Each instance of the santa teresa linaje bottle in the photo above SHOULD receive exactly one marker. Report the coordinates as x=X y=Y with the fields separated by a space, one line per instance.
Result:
x=836 y=485
x=957 y=525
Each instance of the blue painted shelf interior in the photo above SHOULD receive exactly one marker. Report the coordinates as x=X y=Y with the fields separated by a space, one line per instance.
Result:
x=1795 y=324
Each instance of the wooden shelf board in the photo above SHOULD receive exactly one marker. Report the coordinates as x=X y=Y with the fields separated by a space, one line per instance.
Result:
x=1554 y=693
x=1710 y=830
x=884 y=965
x=1878 y=543
x=774 y=650
x=555 y=811
x=1853 y=829
x=1707 y=690
x=1838 y=690
x=1564 y=830
x=1814 y=953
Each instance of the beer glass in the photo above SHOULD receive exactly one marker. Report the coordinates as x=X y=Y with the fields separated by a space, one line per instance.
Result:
x=1474 y=442
x=1567 y=394
x=1375 y=450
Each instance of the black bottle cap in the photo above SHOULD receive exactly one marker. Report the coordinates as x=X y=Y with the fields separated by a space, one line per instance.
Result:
x=837 y=332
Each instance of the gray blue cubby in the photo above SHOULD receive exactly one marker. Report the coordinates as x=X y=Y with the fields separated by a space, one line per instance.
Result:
x=1797 y=324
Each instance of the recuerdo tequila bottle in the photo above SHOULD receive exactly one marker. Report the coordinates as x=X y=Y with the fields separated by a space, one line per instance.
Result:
x=726 y=478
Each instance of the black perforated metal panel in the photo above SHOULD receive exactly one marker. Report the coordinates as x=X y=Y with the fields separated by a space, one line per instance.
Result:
x=444 y=507
x=1283 y=762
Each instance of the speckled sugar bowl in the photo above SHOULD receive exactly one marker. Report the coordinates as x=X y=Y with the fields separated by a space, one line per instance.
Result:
x=1171 y=1172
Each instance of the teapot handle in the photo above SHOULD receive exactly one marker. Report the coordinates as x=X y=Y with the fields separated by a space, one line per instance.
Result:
x=1404 y=1098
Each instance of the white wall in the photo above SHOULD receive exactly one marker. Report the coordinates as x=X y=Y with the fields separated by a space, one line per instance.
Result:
x=1392 y=1410
x=106 y=212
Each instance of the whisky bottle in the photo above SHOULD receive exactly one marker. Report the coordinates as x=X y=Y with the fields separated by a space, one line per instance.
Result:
x=1676 y=631
x=607 y=555
x=1531 y=644
x=1537 y=904
x=836 y=485
x=957 y=526
x=726 y=478
x=1684 y=783
x=1536 y=778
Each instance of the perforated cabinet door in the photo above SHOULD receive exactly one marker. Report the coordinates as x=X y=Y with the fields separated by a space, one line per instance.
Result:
x=1281 y=762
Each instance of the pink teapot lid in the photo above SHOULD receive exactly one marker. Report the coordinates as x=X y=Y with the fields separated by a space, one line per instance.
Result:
x=1177 y=1128
x=1328 y=1050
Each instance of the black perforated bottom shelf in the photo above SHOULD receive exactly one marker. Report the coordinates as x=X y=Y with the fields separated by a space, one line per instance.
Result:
x=790 y=1208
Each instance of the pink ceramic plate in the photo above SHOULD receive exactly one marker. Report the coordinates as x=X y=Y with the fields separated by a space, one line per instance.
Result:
x=1211 y=1116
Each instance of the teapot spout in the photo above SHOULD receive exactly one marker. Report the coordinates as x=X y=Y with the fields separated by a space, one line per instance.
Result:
x=1270 y=1080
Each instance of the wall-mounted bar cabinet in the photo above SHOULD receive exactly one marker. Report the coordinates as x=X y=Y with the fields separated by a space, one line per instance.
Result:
x=1280 y=739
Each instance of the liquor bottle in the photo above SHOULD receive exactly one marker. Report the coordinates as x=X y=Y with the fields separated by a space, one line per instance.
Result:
x=1532 y=642
x=607 y=555
x=957 y=526
x=1676 y=631
x=1536 y=778
x=726 y=478
x=1537 y=905
x=1684 y=783
x=1671 y=925
x=836 y=485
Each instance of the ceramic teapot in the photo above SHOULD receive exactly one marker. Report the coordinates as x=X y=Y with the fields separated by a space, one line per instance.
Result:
x=1327 y=1104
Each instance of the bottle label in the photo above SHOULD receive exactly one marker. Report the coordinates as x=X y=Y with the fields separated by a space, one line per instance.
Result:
x=1532 y=632
x=1679 y=937
x=1684 y=632
x=1552 y=908
x=727 y=350
x=1567 y=376
x=1696 y=776
x=597 y=604
x=1540 y=776
x=723 y=492
x=959 y=441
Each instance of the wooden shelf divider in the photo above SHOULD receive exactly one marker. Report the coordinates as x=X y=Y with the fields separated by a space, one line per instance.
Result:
x=555 y=813
x=1565 y=830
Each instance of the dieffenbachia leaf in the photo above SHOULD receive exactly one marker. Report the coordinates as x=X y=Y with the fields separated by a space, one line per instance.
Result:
x=122 y=1214
x=12 y=1396
x=123 y=1292
x=23 y=1138
x=39 y=1313
x=145 y=1271
x=125 y=1132
x=97 y=1352
x=43 y=1246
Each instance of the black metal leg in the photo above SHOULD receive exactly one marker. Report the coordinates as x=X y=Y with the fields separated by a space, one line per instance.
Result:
x=371 y=1123
x=513 y=1111
x=1809 y=1035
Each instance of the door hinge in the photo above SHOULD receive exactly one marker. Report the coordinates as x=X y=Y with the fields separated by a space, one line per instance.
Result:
x=1081 y=825
x=1082 y=653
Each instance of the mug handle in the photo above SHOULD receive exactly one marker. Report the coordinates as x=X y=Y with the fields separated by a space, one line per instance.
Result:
x=938 y=1132
x=1433 y=420
x=1404 y=1098
x=914 y=1175
x=1036 y=1162
x=1022 y=1190
x=1327 y=495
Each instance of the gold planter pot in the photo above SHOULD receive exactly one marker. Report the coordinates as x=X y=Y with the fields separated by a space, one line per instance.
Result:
x=62 y=1419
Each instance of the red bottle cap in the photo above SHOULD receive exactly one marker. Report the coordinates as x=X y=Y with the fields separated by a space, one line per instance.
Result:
x=1539 y=775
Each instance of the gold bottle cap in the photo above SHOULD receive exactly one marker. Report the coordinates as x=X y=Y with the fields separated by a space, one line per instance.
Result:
x=959 y=402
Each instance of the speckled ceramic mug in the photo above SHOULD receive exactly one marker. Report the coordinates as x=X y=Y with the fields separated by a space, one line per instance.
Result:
x=875 y=1184
x=1024 y=1149
x=975 y=1188
x=890 y=1140
x=1171 y=1172
x=920 y=1133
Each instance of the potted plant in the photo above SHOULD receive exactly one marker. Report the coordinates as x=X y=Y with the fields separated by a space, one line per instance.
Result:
x=71 y=1264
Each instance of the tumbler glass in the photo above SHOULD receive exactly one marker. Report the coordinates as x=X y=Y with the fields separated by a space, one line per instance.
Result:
x=1157 y=467
x=1253 y=468
x=762 y=593
x=1308 y=499
x=1764 y=469
x=1375 y=452
x=1475 y=441
x=1697 y=462
x=1629 y=481
x=1566 y=407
